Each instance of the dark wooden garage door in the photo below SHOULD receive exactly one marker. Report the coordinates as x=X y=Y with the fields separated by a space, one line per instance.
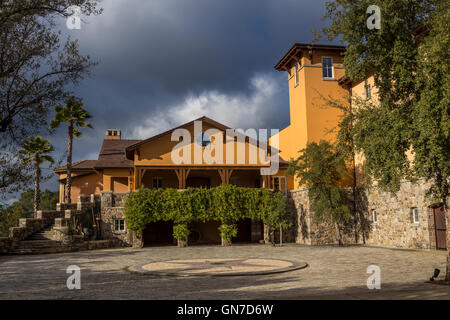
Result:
x=440 y=225
x=158 y=233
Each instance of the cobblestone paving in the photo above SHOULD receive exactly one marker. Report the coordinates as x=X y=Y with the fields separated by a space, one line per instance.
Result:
x=333 y=272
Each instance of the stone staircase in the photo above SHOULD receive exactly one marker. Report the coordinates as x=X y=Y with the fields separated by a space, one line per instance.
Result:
x=44 y=234
x=39 y=242
x=48 y=232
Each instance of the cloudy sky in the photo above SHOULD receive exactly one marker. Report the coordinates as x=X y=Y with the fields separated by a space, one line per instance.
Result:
x=166 y=62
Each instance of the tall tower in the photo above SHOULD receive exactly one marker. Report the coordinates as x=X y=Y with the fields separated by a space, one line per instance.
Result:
x=313 y=74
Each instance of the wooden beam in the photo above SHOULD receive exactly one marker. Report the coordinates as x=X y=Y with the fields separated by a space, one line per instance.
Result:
x=222 y=175
x=143 y=171
x=183 y=181
x=229 y=172
x=179 y=176
x=138 y=178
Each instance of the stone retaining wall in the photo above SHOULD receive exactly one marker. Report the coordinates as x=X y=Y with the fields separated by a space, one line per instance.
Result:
x=310 y=230
x=6 y=244
x=26 y=228
x=394 y=226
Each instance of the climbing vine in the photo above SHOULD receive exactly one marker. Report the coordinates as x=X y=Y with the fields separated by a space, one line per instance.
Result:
x=227 y=204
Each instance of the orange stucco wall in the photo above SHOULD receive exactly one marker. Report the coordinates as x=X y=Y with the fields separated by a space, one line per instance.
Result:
x=358 y=92
x=158 y=152
x=310 y=118
x=113 y=180
x=84 y=185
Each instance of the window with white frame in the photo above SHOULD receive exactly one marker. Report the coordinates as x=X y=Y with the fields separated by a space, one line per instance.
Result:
x=157 y=182
x=296 y=73
x=415 y=215
x=119 y=225
x=374 y=215
x=327 y=68
x=367 y=90
x=279 y=183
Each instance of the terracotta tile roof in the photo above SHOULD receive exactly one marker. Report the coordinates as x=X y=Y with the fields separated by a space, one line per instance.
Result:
x=112 y=154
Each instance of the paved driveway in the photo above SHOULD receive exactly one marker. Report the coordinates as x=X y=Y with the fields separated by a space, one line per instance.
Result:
x=333 y=272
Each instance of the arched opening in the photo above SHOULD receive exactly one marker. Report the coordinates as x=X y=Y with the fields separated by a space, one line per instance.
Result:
x=244 y=234
x=158 y=233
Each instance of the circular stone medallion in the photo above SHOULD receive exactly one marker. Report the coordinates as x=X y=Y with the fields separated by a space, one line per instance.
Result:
x=218 y=267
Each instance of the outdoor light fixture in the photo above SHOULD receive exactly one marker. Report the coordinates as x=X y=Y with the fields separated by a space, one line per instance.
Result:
x=435 y=275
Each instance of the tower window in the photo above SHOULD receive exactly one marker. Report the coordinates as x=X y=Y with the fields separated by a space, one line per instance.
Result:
x=367 y=90
x=327 y=68
x=415 y=215
x=374 y=215
x=296 y=73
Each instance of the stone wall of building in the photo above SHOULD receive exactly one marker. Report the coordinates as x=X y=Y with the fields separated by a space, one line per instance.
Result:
x=310 y=230
x=112 y=208
x=394 y=226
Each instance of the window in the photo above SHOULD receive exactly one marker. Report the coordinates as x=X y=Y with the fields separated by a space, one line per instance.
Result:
x=157 y=182
x=327 y=68
x=119 y=225
x=374 y=215
x=367 y=90
x=296 y=74
x=203 y=139
x=279 y=183
x=415 y=215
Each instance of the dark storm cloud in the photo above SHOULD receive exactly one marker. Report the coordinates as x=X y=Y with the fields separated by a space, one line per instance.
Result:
x=160 y=57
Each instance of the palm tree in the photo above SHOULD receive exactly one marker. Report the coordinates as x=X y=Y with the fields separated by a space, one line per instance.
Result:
x=35 y=150
x=75 y=116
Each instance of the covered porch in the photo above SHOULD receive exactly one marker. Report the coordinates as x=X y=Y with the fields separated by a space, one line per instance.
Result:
x=208 y=177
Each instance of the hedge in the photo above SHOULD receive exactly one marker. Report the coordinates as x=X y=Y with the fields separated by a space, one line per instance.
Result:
x=226 y=203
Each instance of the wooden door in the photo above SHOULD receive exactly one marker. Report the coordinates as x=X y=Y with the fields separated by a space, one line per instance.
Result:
x=440 y=228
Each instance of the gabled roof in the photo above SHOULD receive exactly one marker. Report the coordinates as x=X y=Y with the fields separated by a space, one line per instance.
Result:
x=112 y=154
x=130 y=149
x=83 y=165
x=119 y=153
x=296 y=49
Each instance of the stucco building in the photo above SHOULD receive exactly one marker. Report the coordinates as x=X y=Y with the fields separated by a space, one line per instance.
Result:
x=315 y=72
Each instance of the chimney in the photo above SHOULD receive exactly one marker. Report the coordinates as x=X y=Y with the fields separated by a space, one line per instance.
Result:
x=113 y=134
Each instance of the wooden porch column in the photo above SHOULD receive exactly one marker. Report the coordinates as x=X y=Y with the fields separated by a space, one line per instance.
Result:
x=182 y=174
x=136 y=178
x=266 y=182
x=141 y=176
x=225 y=175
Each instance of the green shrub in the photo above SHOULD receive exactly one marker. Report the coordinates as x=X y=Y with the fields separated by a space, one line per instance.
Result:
x=181 y=231
x=226 y=203
x=228 y=231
